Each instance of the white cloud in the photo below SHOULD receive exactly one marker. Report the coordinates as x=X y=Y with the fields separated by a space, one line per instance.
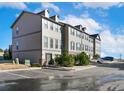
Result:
x=77 y=5
x=95 y=5
x=14 y=5
x=85 y=14
x=102 y=13
x=91 y=25
x=17 y=15
x=102 y=5
x=111 y=44
x=37 y=10
x=50 y=5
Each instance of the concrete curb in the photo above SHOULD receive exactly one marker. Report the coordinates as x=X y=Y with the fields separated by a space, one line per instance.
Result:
x=32 y=68
x=75 y=68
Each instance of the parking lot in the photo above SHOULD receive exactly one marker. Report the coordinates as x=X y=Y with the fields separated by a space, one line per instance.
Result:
x=102 y=77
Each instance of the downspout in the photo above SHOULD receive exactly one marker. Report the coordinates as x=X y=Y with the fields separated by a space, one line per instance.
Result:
x=40 y=60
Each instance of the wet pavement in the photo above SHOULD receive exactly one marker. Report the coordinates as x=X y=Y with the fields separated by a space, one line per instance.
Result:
x=105 y=78
x=66 y=83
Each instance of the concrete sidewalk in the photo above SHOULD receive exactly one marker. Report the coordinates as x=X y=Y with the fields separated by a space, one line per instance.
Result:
x=74 y=68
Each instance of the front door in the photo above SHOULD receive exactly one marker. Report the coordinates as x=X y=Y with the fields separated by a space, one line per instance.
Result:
x=48 y=57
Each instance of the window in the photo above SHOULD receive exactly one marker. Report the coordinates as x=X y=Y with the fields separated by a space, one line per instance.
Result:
x=51 y=43
x=17 y=30
x=56 y=43
x=82 y=46
x=78 y=34
x=72 y=31
x=51 y=26
x=17 y=45
x=72 y=45
x=82 y=35
x=45 y=42
x=56 y=27
x=45 y=23
x=59 y=28
x=60 y=44
x=78 y=46
x=86 y=47
x=89 y=39
x=85 y=37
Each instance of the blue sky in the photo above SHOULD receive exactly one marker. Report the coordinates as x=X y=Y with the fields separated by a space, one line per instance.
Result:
x=104 y=18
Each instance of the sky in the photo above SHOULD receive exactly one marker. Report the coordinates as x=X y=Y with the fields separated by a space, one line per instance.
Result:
x=105 y=18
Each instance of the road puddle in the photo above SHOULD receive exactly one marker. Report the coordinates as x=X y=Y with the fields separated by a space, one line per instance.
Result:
x=109 y=82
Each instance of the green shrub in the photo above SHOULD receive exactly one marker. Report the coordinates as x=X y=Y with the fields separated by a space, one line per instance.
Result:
x=83 y=59
x=1 y=50
x=65 y=60
x=51 y=62
x=76 y=59
x=58 y=59
x=68 y=61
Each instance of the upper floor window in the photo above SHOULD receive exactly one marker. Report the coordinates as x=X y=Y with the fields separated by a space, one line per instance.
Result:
x=17 y=29
x=86 y=48
x=72 y=31
x=82 y=35
x=78 y=46
x=59 y=28
x=45 y=23
x=45 y=42
x=82 y=46
x=56 y=43
x=17 y=45
x=60 y=44
x=72 y=45
x=78 y=34
x=51 y=25
x=85 y=37
x=56 y=27
x=51 y=43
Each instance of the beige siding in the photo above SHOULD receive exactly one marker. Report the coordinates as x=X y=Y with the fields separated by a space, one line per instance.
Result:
x=28 y=42
x=50 y=34
x=31 y=39
x=28 y=23
x=98 y=47
x=81 y=41
x=34 y=56
x=28 y=38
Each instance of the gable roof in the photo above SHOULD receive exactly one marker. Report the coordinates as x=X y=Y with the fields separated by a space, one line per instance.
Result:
x=95 y=36
x=33 y=14
x=74 y=27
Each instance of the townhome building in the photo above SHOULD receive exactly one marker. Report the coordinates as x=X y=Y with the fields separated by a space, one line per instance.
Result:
x=96 y=44
x=76 y=40
x=40 y=37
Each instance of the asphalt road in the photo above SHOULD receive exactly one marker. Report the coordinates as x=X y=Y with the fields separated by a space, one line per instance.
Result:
x=102 y=77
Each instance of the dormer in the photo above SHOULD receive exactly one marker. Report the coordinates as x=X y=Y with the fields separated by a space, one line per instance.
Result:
x=79 y=27
x=55 y=18
x=83 y=29
x=44 y=13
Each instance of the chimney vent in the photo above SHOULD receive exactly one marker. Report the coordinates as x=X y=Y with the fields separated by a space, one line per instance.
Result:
x=44 y=13
x=55 y=18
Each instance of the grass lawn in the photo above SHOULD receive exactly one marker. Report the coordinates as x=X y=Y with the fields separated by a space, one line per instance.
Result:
x=7 y=66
